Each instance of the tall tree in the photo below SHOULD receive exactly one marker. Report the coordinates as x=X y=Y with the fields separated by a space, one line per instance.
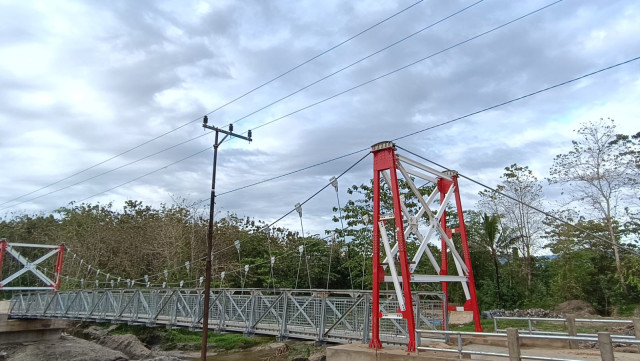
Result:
x=491 y=236
x=600 y=172
x=519 y=183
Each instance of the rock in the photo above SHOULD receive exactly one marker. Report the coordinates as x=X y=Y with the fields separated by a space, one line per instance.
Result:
x=162 y=358
x=318 y=357
x=576 y=307
x=94 y=333
x=66 y=349
x=127 y=344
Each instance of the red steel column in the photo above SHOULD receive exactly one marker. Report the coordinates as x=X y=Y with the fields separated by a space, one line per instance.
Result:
x=3 y=247
x=472 y=303
x=377 y=268
x=384 y=158
x=58 y=268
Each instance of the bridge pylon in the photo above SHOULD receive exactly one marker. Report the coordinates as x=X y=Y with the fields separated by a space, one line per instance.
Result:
x=387 y=165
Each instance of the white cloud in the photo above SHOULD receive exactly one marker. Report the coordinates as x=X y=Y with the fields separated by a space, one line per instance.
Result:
x=81 y=82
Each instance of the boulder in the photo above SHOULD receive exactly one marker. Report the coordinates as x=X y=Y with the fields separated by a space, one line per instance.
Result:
x=127 y=344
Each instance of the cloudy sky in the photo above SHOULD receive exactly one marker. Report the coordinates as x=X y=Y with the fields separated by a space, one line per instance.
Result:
x=87 y=86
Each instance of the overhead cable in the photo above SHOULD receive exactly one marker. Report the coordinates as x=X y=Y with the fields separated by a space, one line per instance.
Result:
x=525 y=204
x=221 y=106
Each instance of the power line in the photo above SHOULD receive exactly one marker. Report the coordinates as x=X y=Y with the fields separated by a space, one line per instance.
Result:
x=433 y=126
x=146 y=174
x=525 y=204
x=451 y=120
x=106 y=172
x=405 y=66
x=220 y=107
x=401 y=68
x=356 y=62
x=424 y=129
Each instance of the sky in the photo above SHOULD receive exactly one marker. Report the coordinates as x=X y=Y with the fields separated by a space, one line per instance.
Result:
x=102 y=101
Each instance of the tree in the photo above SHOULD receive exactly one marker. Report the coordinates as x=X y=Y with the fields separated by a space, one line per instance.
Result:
x=600 y=172
x=493 y=238
x=524 y=190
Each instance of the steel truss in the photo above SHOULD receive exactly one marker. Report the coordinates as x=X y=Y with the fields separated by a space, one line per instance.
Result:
x=387 y=167
x=28 y=266
x=341 y=316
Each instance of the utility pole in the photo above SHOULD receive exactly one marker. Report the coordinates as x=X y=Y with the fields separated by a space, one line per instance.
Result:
x=207 y=283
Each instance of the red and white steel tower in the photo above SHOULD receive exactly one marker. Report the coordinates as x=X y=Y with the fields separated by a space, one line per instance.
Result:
x=388 y=165
x=31 y=266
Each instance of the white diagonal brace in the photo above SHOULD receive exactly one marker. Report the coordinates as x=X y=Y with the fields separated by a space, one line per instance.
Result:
x=392 y=266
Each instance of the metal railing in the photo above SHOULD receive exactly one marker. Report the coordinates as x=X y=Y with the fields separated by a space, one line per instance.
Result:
x=512 y=340
x=340 y=316
x=569 y=323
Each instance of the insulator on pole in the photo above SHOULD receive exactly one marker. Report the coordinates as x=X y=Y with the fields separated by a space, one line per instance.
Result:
x=201 y=280
x=298 y=207
x=187 y=265
x=273 y=260
x=222 y=276
x=237 y=244
x=181 y=284
x=301 y=249
x=164 y=284
x=96 y=283
x=334 y=183
x=166 y=274
x=111 y=283
x=146 y=278
x=246 y=269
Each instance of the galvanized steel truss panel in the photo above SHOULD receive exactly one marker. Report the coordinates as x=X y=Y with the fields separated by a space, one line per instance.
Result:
x=321 y=315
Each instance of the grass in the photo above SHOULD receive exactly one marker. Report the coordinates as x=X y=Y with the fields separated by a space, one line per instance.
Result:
x=627 y=310
x=170 y=338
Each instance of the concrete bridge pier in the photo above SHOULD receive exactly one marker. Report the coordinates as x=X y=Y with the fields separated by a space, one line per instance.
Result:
x=29 y=330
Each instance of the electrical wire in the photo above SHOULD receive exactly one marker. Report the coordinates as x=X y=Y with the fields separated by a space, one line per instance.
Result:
x=107 y=172
x=398 y=69
x=526 y=204
x=355 y=62
x=406 y=66
x=223 y=105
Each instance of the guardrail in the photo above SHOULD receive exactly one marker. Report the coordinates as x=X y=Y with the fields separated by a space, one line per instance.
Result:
x=512 y=339
x=570 y=323
x=340 y=316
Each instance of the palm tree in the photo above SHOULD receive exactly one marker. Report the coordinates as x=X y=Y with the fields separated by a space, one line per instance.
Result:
x=492 y=239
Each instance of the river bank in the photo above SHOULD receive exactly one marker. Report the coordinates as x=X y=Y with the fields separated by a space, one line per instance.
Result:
x=105 y=342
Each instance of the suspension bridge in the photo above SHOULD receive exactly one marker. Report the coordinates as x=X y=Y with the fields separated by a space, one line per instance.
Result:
x=342 y=316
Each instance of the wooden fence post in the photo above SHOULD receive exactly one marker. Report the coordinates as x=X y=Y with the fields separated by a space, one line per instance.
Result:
x=513 y=343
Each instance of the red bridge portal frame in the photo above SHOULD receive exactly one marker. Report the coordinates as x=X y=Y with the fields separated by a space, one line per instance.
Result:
x=387 y=163
x=27 y=266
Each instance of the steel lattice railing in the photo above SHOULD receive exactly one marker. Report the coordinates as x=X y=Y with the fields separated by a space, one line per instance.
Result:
x=340 y=316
